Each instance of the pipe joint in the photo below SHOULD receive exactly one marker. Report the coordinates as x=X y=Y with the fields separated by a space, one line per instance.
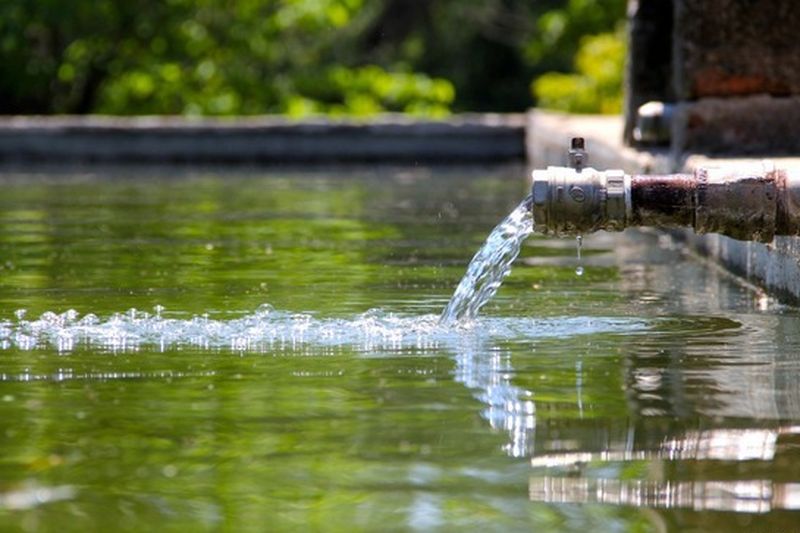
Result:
x=742 y=206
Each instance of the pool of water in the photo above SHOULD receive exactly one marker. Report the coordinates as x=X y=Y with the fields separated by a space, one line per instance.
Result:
x=260 y=350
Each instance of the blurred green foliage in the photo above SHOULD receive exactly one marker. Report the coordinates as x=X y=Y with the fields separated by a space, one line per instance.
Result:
x=300 y=57
x=597 y=85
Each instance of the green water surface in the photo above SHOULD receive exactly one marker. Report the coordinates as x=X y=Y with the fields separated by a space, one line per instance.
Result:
x=653 y=393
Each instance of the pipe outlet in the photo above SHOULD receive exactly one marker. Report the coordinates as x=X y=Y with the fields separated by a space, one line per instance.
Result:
x=744 y=205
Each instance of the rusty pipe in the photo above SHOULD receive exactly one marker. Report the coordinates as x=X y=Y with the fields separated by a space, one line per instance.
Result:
x=752 y=206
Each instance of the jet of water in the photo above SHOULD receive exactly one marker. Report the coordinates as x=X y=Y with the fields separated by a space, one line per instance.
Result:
x=490 y=265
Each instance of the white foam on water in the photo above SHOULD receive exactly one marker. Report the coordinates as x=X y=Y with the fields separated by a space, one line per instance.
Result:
x=271 y=330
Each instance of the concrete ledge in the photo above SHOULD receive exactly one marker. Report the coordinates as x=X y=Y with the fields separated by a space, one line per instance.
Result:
x=739 y=126
x=775 y=266
x=388 y=139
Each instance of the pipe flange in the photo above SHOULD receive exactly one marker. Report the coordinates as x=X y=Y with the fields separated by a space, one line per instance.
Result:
x=615 y=200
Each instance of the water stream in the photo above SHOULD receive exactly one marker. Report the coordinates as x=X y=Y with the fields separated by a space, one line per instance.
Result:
x=490 y=265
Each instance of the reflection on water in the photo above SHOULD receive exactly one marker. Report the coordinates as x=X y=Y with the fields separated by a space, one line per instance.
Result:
x=716 y=444
x=651 y=393
x=571 y=459
x=69 y=374
x=646 y=457
x=751 y=496
x=509 y=408
x=578 y=476
x=33 y=496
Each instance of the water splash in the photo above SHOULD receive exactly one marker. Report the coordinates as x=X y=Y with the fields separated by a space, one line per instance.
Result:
x=490 y=265
x=271 y=330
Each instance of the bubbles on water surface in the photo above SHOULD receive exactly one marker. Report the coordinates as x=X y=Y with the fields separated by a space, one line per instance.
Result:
x=271 y=330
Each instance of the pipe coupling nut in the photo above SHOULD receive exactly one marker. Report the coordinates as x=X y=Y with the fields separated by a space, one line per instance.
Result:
x=615 y=200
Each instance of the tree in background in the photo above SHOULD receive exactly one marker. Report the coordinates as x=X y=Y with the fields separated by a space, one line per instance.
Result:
x=300 y=57
x=595 y=87
x=590 y=36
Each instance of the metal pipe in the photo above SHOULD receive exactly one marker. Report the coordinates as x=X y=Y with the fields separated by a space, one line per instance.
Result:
x=752 y=206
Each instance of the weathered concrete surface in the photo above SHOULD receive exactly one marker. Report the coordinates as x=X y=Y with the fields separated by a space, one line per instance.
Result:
x=388 y=139
x=738 y=126
x=774 y=267
x=731 y=48
x=732 y=67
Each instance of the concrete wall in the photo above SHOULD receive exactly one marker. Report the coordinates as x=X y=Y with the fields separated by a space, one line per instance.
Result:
x=733 y=48
x=731 y=68
x=388 y=139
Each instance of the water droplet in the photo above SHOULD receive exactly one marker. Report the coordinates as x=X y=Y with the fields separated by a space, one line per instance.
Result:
x=265 y=309
x=579 y=268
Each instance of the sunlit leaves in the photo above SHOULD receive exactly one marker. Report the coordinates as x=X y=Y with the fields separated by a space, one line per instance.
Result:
x=597 y=85
x=299 y=57
x=593 y=81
